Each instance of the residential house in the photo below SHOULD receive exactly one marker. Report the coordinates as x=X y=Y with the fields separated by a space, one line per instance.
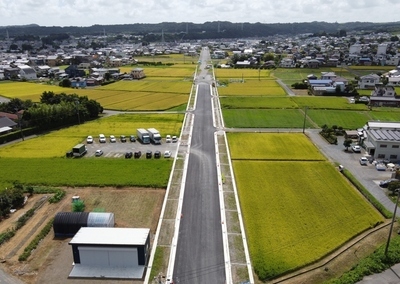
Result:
x=287 y=63
x=138 y=73
x=384 y=96
x=368 y=81
x=382 y=140
x=6 y=125
x=11 y=73
x=394 y=81
x=73 y=71
x=28 y=73
x=328 y=75
x=53 y=60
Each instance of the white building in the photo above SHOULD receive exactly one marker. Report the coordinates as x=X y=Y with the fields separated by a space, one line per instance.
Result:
x=119 y=253
x=382 y=140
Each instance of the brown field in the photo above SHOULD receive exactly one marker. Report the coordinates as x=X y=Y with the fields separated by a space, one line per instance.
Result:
x=51 y=262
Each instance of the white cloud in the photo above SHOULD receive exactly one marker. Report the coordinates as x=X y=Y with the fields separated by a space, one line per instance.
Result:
x=90 y=12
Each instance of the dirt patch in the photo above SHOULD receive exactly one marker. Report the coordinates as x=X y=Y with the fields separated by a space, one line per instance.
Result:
x=52 y=261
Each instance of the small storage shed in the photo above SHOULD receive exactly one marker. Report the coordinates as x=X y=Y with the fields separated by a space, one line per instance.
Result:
x=67 y=224
x=120 y=253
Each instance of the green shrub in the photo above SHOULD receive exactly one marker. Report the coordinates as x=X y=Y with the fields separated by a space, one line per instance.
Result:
x=7 y=235
x=58 y=195
x=78 y=206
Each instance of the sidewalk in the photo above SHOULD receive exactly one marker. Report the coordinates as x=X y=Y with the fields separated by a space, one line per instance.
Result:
x=390 y=276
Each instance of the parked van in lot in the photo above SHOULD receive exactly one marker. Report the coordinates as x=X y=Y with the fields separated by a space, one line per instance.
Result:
x=102 y=138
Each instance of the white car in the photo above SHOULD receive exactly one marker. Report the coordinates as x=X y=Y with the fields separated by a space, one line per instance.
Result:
x=167 y=154
x=89 y=139
x=113 y=139
x=168 y=139
x=174 y=139
x=98 y=153
x=364 y=161
x=102 y=138
x=356 y=149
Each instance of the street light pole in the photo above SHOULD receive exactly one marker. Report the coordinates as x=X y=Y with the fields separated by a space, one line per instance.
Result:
x=305 y=118
x=391 y=225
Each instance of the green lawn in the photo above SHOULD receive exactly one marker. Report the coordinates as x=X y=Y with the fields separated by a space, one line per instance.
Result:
x=252 y=88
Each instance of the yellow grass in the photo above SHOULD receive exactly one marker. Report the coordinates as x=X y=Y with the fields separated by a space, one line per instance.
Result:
x=273 y=146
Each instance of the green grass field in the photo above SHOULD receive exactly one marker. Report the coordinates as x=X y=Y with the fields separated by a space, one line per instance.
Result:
x=257 y=102
x=295 y=212
x=57 y=143
x=86 y=172
x=229 y=73
x=264 y=118
x=252 y=88
x=345 y=119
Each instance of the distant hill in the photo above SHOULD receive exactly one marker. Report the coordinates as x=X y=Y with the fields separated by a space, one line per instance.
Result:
x=207 y=30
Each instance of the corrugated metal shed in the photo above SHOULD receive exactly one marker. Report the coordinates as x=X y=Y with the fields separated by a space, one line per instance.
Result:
x=67 y=224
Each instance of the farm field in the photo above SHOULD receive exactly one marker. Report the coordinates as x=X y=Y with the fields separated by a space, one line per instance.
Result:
x=293 y=219
x=264 y=118
x=146 y=94
x=277 y=149
x=252 y=87
x=290 y=102
x=57 y=143
x=229 y=73
x=291 y=75
x=345 y=119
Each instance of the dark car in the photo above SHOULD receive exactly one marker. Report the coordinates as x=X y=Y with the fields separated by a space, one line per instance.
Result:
x=122 y=138
x=149 y=154
x=157 y=154
x=385 y=183
x=137 y=154
x=128 y=155
x=132 y=138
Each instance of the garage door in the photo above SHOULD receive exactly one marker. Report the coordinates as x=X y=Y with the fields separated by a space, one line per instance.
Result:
x=108 y=256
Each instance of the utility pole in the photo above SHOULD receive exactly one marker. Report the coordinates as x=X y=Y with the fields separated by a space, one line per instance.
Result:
x=305 y=118
x=77 y=111
x=391 y=225
x=19 y=115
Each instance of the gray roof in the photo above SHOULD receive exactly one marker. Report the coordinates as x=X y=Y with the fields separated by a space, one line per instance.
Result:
x=5 y=121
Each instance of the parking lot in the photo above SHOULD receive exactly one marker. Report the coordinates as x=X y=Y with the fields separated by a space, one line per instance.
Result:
x=118 y=148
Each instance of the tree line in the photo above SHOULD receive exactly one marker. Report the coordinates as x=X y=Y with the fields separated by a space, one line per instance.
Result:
x=54 y=110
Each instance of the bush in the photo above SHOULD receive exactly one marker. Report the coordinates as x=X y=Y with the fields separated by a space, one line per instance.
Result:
x=78 y=206
x=58 y=195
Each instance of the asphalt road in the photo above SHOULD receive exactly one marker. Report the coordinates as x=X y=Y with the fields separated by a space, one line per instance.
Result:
x=199 y=254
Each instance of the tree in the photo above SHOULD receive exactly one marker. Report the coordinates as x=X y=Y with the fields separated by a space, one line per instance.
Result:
x=66 y=83
x=347 y=143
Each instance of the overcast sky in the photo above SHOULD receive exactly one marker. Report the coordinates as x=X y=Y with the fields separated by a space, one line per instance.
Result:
x=91 y=12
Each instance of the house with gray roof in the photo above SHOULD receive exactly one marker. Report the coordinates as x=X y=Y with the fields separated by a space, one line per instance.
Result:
x=368 y=81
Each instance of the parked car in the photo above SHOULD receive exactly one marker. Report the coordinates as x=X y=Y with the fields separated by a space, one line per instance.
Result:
x=112 y=139
x=364 y=161
x=356 y=148
x=149 y=154
x=132 y=138
x=157 y=154
x=102 y=138
x=167 y=154
x=89 y=139
x=174 y=139
x=128 y=155
x=98 y=153
x=168 y=139
x=122 y=138
x=137 y=154
x=385 y=183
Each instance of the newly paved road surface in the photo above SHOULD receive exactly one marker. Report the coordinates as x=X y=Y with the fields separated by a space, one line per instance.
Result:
x=199 y=254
